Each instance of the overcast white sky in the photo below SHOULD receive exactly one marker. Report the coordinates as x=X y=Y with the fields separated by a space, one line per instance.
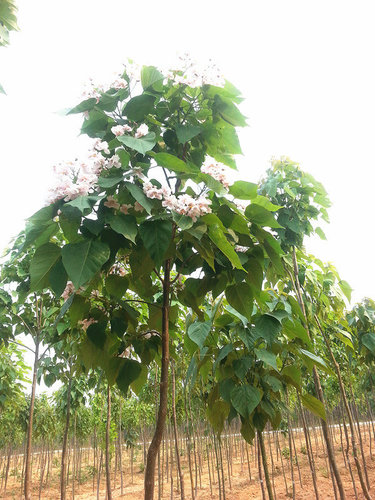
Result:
x=306 y=70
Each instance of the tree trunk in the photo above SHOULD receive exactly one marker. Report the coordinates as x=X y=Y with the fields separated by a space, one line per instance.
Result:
x=27 y=486
x=180 y=472
x=162 y=414
x=318 y=387
x=107 y=455
x=65 y=443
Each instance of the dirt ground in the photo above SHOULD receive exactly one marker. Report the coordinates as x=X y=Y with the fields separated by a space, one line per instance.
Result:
x=238 y=485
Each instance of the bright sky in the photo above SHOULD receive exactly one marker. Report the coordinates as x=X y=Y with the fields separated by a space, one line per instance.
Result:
x=305 y=69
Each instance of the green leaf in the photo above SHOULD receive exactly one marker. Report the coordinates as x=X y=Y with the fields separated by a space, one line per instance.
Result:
x=217 y=236
x=224 y=351
x=368 y=340
x=183 y=221
x=314 y=405
x=217 y=412
x=173 y=163
x=83 y=203
x=96 y=124
x=261 y=216
x=240 y=297
x=156 y=236
x=123 y=224
x=151 y=77
x=2 y=91
x=198 y=332
x=41 y=264
x=83 y=260
x=319 y=231
x=78 y=310
x=128 y=373
x=110 y=180
x=267 y=327
x=293 y=375
x=294 y=329
x=83 y=106
x=138 y=107
x=229 y=112
x=267 y=357
x=142 y=145
x=186 y=132
x=317 y=360
x=58 y=278
x=243 y=190
x=346 y=289
x=139 y=196
x=116 y=285
x=245 y=398
x=96 y=333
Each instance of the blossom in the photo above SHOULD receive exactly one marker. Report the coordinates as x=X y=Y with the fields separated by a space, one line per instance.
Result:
x=189 y=72
x=138 y=207
x=141 y=131
x=241 y=249
x=119 y=83
x=69 y=289
x=216 y=170
x=85 y=323
x=111 y=203
x=114 y=161
x=101 y=146
x=118 y=130
x=125 y=207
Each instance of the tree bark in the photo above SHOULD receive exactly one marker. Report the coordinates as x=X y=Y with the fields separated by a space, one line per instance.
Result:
x=28 y=481
x=107 y=455
x=180 y=472
x=162 y=413
x=65 y=442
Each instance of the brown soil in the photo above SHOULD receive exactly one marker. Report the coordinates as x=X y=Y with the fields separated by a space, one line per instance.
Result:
x=240 y=487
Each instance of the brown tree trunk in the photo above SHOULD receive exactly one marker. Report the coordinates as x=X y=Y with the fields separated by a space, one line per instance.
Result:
x=180 y=473
x=65 y=443
x=348 y=412
x=107 y=455
x=162 y=413
x=27 y=485
x=318 y=387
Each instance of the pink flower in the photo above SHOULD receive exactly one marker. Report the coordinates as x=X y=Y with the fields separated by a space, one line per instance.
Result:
x=124 y=208
x=138 y=207
x=114 y=161
x=216 y=170
x=111 y=203
x=101 y=146
x=69 y=289
x=120 y=130
x=141 y=131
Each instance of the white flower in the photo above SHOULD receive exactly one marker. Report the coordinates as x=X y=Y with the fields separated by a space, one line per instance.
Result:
x=120 y=130
x=114 y=161
x=101 y=146
x=141 y=131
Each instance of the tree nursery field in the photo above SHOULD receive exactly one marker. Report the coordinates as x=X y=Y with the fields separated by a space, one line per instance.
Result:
x=177 y=308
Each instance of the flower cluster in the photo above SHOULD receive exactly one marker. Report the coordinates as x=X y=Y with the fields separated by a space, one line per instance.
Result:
x=189 y=72
x=79 y=178
x=85 y=323
x=120 y=130
x=184 y=204
x=216 y=170
x=111 y=202
x=69 y=289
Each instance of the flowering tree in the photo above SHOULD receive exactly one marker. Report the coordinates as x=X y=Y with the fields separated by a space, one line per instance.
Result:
x=149 y=223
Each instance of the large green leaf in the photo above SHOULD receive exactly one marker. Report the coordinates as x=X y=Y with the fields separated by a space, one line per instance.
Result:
x=198 y=332
x=267 y=327
x=138 y=107
x=83 y=260
x=123 y=224
x=243 y=190
x=128 y=373
x=116 y=285
x=83 y=106
x=267 y=357
x=368 y=340
x=43 y=261
x=151 y=77
x=218 y=237
x=240 y=297
x=186 y=132
x=156 y=236
x=96 y=333
x=229 y=112
x=139 y=196
x=261 y=216
x=173 y=163
x=142 y=145
x=314 y=405
x=245 y=398
x=217 y=412
x=58 y=278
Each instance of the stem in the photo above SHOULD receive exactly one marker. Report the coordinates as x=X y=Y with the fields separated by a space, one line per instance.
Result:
x=107 y=455
x=27 y=487
x=65 y=442
x=162 y=413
